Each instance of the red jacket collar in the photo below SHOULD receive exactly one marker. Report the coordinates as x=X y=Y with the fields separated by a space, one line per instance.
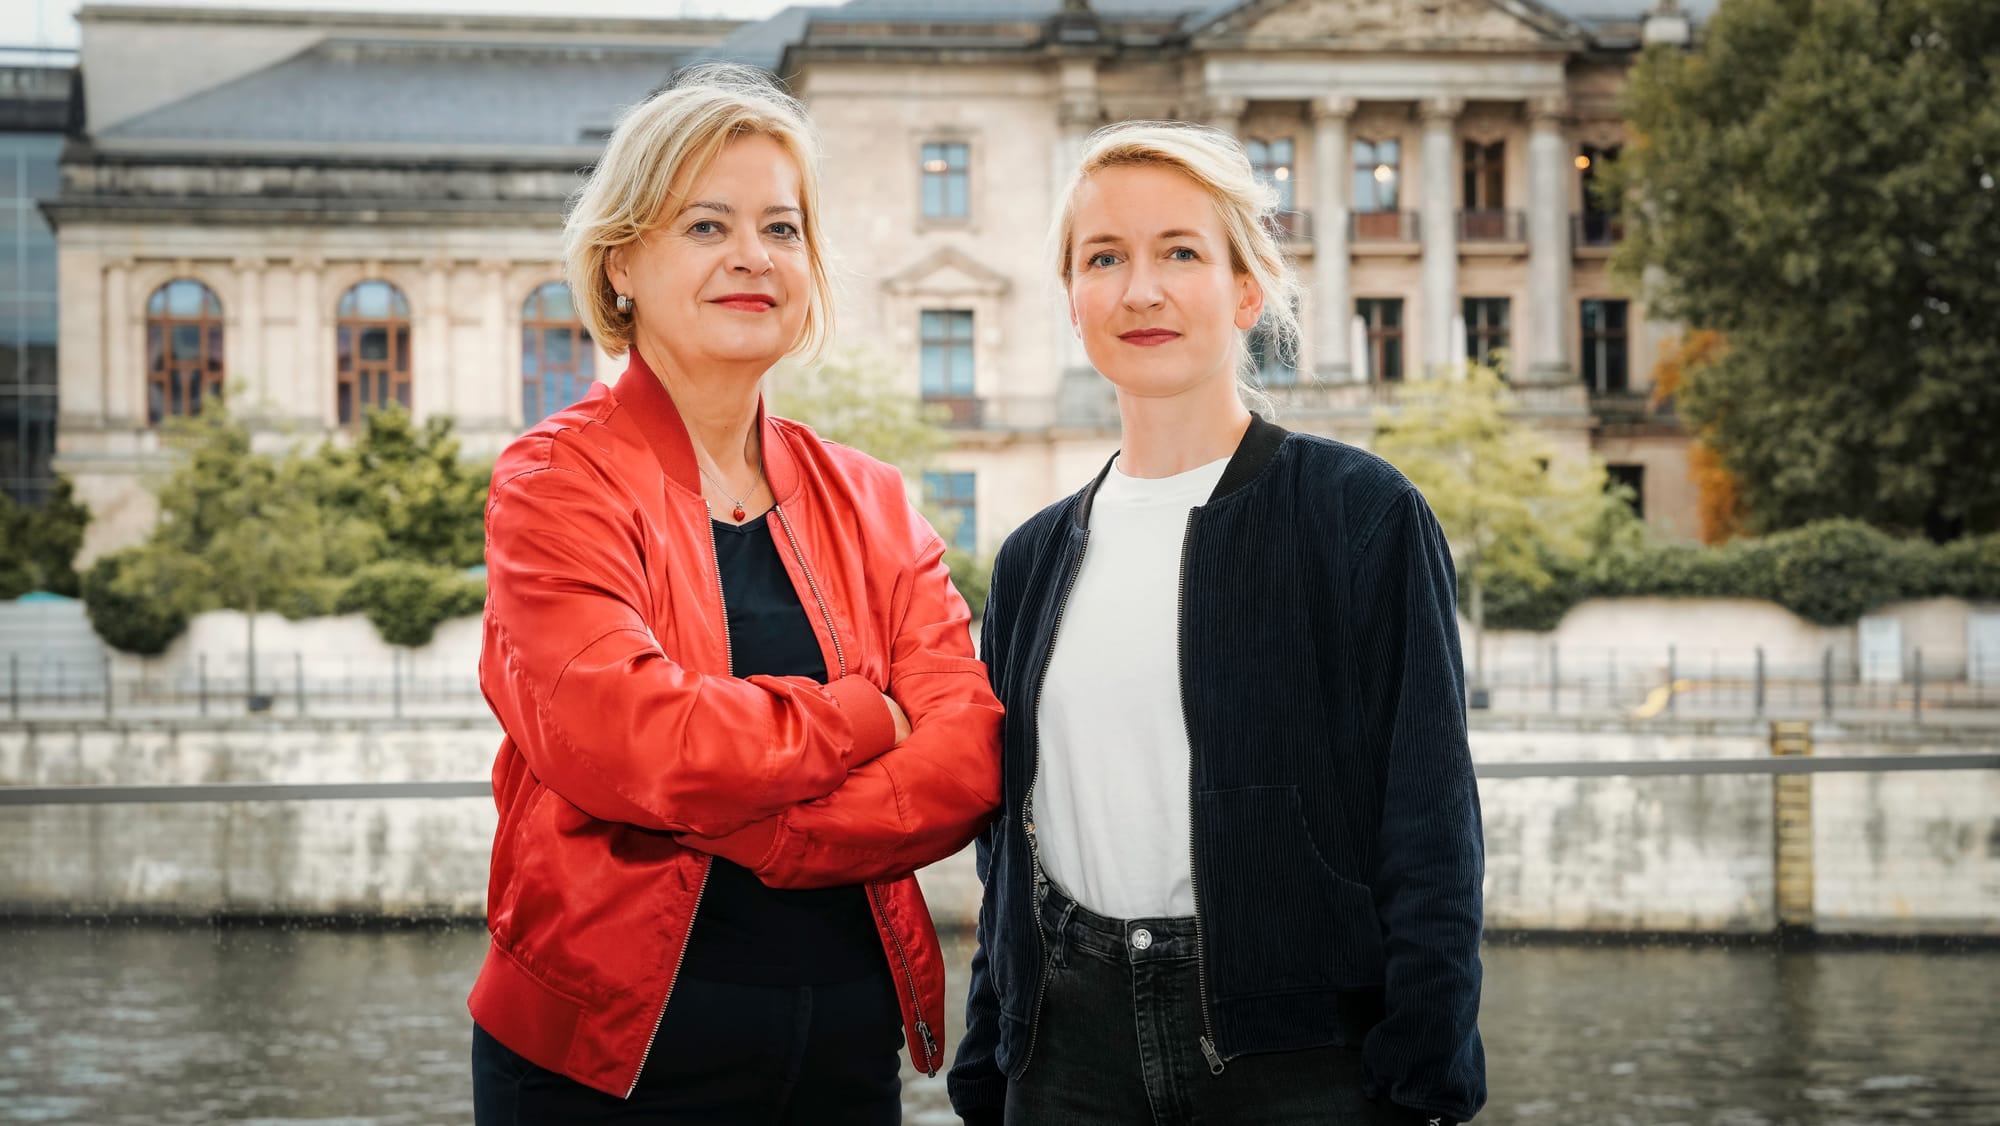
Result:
x=642 y=393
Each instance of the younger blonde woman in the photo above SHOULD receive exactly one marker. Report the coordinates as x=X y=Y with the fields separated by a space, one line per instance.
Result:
x=1236 y=877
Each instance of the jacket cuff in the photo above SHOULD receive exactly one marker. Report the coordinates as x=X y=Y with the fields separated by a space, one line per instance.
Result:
x=867 y=714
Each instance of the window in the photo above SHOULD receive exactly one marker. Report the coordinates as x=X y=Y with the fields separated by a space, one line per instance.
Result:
x=1599 y=225
x=947 y=353
x=1271 y=368
x=28 y=173
x=1632 y=478
x=1378 y=171
x=1383 y=317
x=1273 y=163
x=1605 y=362
x=1486 y=329
x=183 y=350
x=1485 y=176
x=947 y=190
x=558 y=361
x=953 y=497
x=373 y=347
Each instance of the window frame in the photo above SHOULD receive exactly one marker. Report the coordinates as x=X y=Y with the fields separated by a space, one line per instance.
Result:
x=577 y=375
x=956 y=490
x=945 y=177
x=395 y=376
x=1595 y=356
x=168 y=397
x=1384 y=339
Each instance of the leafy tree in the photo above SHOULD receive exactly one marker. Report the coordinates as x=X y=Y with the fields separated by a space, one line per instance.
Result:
x=852 y=399
x=1511 y=511
x=410 y=482
x=38 y=545
x=1818 y=183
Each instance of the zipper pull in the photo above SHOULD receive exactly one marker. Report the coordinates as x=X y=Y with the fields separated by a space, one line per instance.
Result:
x=930 y=1047
x=1214 y=1059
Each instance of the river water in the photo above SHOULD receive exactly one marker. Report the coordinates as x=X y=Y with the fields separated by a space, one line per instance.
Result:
x=157 y=1024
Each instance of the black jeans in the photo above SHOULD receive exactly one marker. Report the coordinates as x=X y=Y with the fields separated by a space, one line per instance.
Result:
x=725 y=1055
x=1118 y=1040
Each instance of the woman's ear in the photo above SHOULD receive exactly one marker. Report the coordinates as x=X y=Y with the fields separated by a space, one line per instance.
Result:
x=1249 y=302
x=616 y=270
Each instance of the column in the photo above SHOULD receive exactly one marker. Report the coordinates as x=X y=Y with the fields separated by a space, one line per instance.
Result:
x=431 y=377
x=1081 y=398
x=243 y=341
x=1549 y=289
x=312 y=379
x=124 y=378
x=1225 y=112
x=1440 y=228
x=492 y=394
x=1333 y=178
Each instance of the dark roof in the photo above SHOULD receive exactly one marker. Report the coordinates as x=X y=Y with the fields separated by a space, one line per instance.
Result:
x=400 y=93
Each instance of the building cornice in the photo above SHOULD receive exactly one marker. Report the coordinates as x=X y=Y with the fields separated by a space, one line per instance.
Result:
x=566 y=26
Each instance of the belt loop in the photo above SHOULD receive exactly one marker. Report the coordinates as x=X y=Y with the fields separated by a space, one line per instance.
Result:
x=1059 y=950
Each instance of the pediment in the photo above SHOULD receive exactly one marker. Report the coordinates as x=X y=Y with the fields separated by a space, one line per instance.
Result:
x=949 y=272
x=1383 y=23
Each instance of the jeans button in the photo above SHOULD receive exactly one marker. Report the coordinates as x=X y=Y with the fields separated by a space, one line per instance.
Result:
x=1141 y=938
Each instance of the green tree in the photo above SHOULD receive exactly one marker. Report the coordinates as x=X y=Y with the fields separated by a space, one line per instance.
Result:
x=410 y=481
x=1818 y=183
x=1512 y=511
x=851 y=398
x=38 y=546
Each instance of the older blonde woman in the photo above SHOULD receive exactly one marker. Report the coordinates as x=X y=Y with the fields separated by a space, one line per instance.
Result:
x=738 y=694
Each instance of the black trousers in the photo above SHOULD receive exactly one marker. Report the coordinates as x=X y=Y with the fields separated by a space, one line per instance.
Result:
x=727 y=1055
x=1118 y=1043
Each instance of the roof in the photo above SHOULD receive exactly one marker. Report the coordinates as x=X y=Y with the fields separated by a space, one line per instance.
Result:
x=348 y=91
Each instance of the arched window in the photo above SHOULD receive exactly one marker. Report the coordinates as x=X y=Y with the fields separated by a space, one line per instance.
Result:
x=558 y=360
x=183 y=350
x=374 y=348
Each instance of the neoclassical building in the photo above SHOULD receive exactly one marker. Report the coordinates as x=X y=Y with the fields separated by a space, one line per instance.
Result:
x=320 y=212
x=323 y=212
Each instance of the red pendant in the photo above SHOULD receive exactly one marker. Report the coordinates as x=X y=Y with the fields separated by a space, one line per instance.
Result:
x=738 y=514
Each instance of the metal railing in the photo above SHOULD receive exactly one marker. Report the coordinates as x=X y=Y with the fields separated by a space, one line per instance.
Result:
x=1383 y=226
x=1596 y=230
x=1492 y=226
x=1928 y=685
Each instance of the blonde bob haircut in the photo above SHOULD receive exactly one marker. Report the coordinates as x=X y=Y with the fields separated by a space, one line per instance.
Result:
x=1217 y=164
x=657 y=152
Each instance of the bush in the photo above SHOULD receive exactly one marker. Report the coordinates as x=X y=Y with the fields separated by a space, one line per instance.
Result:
x=971 y=575
x=406 y=601
x=1829 y=573
x=38 y=544
x=126 y=606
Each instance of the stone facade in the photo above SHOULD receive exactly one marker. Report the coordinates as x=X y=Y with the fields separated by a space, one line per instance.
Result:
x=222 y=162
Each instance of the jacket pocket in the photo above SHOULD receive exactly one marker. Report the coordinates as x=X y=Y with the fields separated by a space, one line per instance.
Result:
x=1278 y=918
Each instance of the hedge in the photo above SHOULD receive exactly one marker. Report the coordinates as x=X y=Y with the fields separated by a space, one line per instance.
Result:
x=1830 y=573
x=407 y=601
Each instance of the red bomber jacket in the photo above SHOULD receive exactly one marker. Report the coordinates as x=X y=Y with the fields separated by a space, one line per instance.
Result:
x=631 y=755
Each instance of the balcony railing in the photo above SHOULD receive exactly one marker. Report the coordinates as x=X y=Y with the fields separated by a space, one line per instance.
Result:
x=1596 y=229
x=1383 y=226
x=1362 y=399
x=1286 y=225
x=962 y=412
x=1492 y=226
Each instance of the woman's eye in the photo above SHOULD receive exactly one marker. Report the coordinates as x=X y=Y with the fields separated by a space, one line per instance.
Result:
x=784 y=230
x=705 y=227
x=1100 y=261
x=1183 y=254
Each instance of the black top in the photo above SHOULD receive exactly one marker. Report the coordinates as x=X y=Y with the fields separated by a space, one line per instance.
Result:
x=744 y=932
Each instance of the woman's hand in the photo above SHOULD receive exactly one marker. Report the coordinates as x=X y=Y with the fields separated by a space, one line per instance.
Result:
x=896 y=712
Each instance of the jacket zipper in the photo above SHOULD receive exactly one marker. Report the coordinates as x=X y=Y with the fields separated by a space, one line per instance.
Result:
x=708 y=865
x=874 y=897
x=839 y=657
x=916 y=999
x=1215 y=1061
x=1028 y=809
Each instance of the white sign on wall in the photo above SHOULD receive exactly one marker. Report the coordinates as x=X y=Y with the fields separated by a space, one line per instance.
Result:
x=1881 y=651
x=1982 y=648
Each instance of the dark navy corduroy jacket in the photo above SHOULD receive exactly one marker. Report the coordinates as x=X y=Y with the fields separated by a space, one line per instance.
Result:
x=1337 y=848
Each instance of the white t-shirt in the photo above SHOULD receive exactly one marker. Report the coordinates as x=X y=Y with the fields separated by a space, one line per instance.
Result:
x=1111 y=801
